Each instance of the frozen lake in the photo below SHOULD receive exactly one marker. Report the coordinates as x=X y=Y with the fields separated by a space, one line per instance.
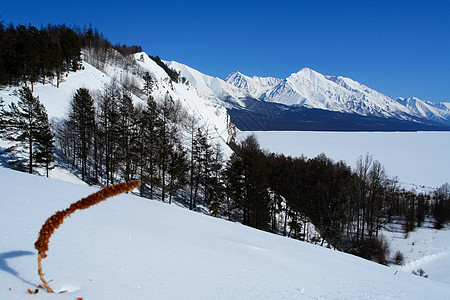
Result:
x=421 y=158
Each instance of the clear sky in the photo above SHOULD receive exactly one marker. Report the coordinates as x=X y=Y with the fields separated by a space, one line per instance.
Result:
x=399 y=48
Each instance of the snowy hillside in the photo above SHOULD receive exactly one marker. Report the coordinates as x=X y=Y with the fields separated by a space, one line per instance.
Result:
x=208 y=113
x=133 y=248
x=211 y=88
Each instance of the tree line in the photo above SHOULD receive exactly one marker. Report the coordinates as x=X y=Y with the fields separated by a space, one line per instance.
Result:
x=29 y=55
x=348 y=207
x=109 y=138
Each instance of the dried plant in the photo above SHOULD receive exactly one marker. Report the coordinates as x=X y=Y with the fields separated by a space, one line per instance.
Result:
x=57 y=219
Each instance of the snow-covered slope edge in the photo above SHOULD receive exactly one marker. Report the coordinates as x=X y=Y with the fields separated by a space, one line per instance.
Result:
x=133 y=248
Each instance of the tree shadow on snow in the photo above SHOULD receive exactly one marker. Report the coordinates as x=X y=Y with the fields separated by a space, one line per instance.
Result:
x=10 y=255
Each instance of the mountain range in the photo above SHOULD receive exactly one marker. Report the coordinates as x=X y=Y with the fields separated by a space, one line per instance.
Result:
x=308 y=100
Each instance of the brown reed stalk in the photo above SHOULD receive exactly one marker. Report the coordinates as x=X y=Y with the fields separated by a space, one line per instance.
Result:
x=57 y=218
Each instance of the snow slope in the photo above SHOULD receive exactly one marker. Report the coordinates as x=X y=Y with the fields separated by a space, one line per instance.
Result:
x=56 y=100
x=211 y=88
x=418 y=158
x=425 y=248
x=133 y=248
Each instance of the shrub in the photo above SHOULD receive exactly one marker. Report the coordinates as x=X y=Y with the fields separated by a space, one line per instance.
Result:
x=420 y=272
x=399 y=259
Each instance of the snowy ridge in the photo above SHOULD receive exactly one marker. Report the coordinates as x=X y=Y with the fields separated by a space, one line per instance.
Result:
x=310 y=89
x=439 y=112
x=210 y=88
x=254 y=86
x=313 y=90
x=133 y=248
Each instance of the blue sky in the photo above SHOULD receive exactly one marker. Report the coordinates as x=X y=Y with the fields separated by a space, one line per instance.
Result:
x=399 y=48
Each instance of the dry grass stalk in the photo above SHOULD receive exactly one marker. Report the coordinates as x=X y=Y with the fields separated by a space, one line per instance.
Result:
x=57 y=219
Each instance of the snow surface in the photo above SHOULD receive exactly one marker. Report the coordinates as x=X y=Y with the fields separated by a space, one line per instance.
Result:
x=425 y=248
x=419 y=158
x=132 y=248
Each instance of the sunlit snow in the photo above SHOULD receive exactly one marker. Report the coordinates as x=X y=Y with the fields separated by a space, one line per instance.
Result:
x=133 y=248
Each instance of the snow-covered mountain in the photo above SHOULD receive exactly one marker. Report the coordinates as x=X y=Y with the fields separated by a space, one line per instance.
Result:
x=328 y=97
x=313 y=90
x=254 y=86
x=134 y=248
x=439 y=112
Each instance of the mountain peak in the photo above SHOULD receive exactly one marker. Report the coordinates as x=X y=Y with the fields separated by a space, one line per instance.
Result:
x=253 y=86
x=234 y=75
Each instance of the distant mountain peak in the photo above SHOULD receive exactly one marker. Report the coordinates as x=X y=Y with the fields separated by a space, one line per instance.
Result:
x=253 y=86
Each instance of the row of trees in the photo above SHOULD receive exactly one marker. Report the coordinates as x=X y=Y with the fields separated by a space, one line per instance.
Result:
x=26 y=126
x=28 y=54
x=109 y=138
x=348 y=207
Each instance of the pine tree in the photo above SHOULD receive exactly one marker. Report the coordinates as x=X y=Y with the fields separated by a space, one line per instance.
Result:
x=45 y=143
x=234 y=187
x=177 y=169
x=214 y=186
x=108 y=121
x=28 y=124
x=166 y=140
x=82 y=120
x=149 y=144
x=3 y=117
x=126 y=123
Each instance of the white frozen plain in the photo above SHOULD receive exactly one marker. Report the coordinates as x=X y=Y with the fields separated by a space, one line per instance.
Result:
x=417 y=158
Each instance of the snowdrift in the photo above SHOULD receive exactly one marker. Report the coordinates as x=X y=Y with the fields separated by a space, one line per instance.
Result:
x=133 y=248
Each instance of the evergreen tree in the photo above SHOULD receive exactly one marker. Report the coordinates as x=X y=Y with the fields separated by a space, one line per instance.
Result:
x=71 y=49
x=234 y=187
x=45 y=143
x=148 y=145
x=3 y=117
x=166 y=135
x=29 y=129
x=82 y=121
x=214 y=183
x=108 y=124
x=126 y=123
x=177 y=169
